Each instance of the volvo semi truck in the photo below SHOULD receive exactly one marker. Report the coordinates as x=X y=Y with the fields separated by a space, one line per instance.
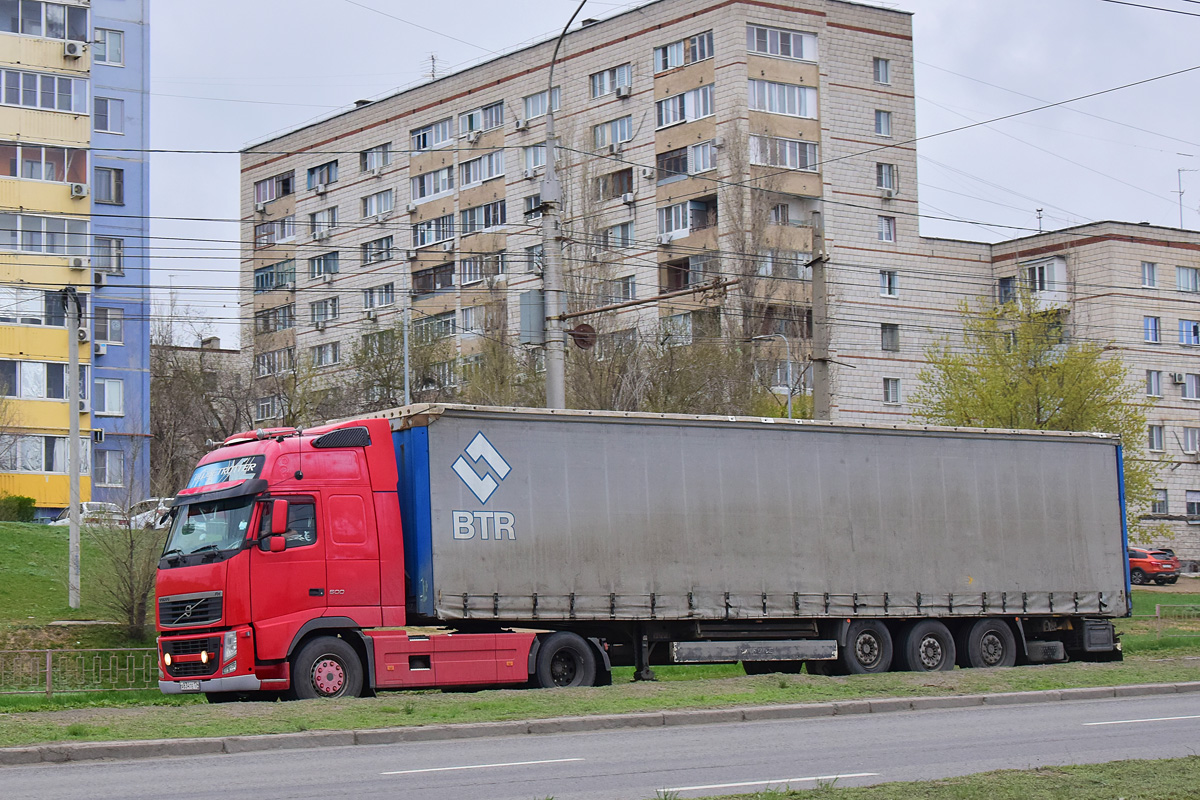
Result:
x=458 y=546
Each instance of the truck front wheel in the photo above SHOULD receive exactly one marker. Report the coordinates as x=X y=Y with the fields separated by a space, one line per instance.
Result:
x=565 y=659
x=926 y=646
x=326 y=667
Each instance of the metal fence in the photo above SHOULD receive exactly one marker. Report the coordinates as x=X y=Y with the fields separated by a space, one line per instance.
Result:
x=49 y=671
x=1170 y=621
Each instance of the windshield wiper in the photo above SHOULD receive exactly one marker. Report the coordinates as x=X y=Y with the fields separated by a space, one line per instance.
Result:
x=209 y=549
x=175 y=552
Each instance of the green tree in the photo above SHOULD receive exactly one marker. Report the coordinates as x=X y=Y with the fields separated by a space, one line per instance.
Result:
x=1014 y=367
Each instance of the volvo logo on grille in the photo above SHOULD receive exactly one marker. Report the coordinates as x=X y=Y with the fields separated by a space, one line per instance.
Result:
x=482 y=486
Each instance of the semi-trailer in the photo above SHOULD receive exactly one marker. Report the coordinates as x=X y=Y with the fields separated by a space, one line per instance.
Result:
x=453 y=546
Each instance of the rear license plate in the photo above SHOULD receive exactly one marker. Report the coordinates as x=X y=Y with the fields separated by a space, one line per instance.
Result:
x=189 y=686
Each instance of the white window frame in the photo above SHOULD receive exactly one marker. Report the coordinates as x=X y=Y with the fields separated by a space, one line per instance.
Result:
x=886 y=176
x=781 y=43
x=102 y=46
x=774 y=151
x=534 y=105
x=432 y=136
x=1149 y=275
x=889 y=283
x=327 y=354
x=1189 y=332
x=619 y=235
x=883 y=122
x=376 y=157
x=1187 y=279
x=103 y=390
x=891 y=391
x=480 y=170
x=1155 y=438
x=103 y=471
x=1191 y=386
x=431 y=185
x=105 y=319
x=785 y=99
x=680 y=53
x=325 y=310
x=377 y=250
x=35 y=233
x=1191 y=440
x=535 y=156
x=28 y=89
x=324 y=220
x=606 y=81
x=479 y=120
x=615 y=131
x=378 y=203
x=881 y=69
x=887 y=228
x=433 y=231
x=1152 y=330
x=324 y=264
x=674 y=220
x=1154 y=383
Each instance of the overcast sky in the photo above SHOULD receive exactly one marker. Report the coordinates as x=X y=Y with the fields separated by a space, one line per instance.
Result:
x=225 y=74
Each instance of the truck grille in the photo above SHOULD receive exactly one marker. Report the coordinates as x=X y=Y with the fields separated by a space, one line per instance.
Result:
x=189 y=610
x=191 y=647
x=192 y=669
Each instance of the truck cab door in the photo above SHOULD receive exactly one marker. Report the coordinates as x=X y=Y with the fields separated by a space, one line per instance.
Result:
x=287 y=588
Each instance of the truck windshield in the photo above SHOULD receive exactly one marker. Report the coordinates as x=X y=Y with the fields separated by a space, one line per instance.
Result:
x=209 y=527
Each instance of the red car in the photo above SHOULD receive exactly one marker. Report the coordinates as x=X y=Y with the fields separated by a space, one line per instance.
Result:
x=1160 y=566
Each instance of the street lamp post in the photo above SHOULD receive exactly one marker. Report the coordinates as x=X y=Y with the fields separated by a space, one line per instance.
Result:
x=788 y=345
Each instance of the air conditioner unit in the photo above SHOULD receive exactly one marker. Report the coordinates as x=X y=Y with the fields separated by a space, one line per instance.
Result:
x=74 y=49
x=369 y=313
x=522 y=125
x=326 y=278
x=411 y=255
x=321 y=188
x=612 y=149
x=260 y=208
x=321 y=234
x=98 y=279
x=286 y=286
x=79 y=190
x=624 y=91
x=79 y=262
x=82 y=334
x=629 y=198
x=375 y=172
x=889 y=193
x=649 y=173
x=664 y=239
x=1178 y=377
x=83 y=406
x=100 y=349
x=98 y=436
x=411 y=208
x=319 y=325
x=448 y=246
x=530 y=174
x=473 y=136
x=718 y=141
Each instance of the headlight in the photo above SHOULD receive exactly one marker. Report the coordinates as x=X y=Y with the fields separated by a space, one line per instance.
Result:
x=230 y=648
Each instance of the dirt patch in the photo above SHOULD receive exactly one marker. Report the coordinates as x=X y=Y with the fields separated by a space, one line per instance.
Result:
x=1186 y=585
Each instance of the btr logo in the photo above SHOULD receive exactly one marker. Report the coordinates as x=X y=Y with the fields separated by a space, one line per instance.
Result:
x=482 y=524
x=482 y=486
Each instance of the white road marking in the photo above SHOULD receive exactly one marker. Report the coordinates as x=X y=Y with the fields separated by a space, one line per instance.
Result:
x=773 y=783
x=481 y=766
x=1151 y=719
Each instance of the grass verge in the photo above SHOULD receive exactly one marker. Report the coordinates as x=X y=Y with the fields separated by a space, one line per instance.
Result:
x=1166 y=779
x=105 y=719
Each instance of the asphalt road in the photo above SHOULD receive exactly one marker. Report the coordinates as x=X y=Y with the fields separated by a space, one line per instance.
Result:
x=694 y=760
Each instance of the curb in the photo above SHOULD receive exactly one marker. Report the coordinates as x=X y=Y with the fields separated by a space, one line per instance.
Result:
x=160 y=748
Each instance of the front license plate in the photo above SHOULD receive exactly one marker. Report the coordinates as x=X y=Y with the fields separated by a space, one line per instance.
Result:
x=189 y=686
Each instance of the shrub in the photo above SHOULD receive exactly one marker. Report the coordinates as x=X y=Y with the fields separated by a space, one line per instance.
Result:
x=16 y=508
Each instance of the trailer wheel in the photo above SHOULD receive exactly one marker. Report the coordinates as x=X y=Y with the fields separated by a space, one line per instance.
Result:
x=987 y=643
x=326 y=667
x=925 y=646
x=868 y=648
x=1137 y=577
x=565 y=659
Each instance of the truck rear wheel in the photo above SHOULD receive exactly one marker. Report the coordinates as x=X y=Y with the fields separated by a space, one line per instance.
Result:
x=925 y=646
x=565 y=659
x=987 y=643
x=868 y=648
x=326 y=667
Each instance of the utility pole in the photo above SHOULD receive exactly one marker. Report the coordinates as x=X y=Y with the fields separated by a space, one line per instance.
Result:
x=1179 y=178
x=406 y=321
x=71 y=306
x=552 y=271
x=822 y=393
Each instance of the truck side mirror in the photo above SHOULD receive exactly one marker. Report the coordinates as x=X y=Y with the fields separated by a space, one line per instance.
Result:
x=279 y=518
x=277 y=543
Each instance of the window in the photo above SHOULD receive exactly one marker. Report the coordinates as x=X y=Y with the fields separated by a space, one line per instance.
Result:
x=108 y=397
x=1153 y=383
x=619 y=235
x=110 y=468
x=535 y=104
x=110 y=325
x=472 y=320
x=43 y=454
x=883 y=123
x=533 y=207
x=325 y=355
x=376 y=157
x=613 y=132
x=701 y=157
x=1159 y=504
x=33 y=162
x=271 y=320
x=432 y=184
x=619 y=290
x=267 y=408
x=607 y=81
x=534 y=256
x=279 y=230
x=685 y=51
x=323 y=221
x=1187 y=279
x=783 y=98
x=38 y=380
x=51 y=20
x=1193 y=506
x=886 y=177
x=274 y=362
x=889 y=337
x=377 y=250
x=784 y=264
x=1151 y=329
x=378 y=203
x=432 y=231
x=48 y=93
x=435 y=279
x=324 y=264
x=323 y=174
x=1191 y=440
x=1149 y=275
x=482 y=119
x=108 y=115
x=672 y=164
x=770 y=151
x=324 y=310
x=1191 y=386
x=889 y=284
x=690 y=105
x=275 y=187
x=673 y=220
x=384 y=295
x=478 y=268
x=882 y=69
x=481 y=169
x=535 y=157
x=109 y=255
x=108 y=47
x=479 y=218
x=887 y=229
x=53 y=235
x=109 y=186
x=781 y=214
x=432 y=327
x=431 y=136
x=891 y=391
x=1189 y=332
x=781 y=43
x=677 y=329
x=1154 y=437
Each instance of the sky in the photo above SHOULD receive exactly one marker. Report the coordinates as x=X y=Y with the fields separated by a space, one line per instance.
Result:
x=239 y=72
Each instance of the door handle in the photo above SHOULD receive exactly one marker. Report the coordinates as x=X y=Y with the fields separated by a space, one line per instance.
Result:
x=316 y=592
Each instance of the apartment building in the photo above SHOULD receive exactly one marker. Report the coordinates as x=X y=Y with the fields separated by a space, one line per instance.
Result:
x=52 y=54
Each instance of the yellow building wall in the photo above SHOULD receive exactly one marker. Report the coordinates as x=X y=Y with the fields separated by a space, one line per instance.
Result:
x=42 y=55
x=46 y=490
x=45 y=127
x=40 y=196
